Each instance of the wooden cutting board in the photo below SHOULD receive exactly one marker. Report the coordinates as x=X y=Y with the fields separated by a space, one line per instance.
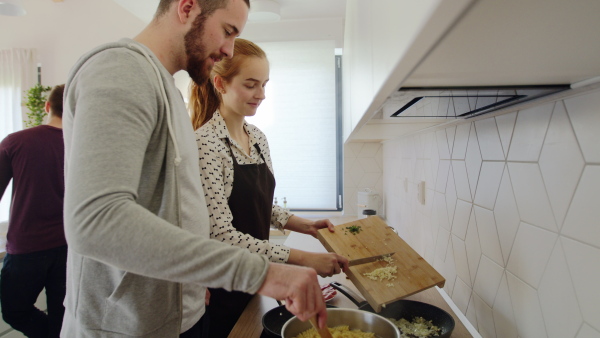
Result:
x=375 y=237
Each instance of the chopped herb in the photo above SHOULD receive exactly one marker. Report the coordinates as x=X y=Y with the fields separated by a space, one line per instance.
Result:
x=354 y=229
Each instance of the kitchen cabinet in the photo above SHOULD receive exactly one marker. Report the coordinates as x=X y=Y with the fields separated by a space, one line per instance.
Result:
x=390 y=45
x=380 y=47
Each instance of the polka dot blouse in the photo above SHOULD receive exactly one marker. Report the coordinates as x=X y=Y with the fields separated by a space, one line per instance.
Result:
x=216 y=172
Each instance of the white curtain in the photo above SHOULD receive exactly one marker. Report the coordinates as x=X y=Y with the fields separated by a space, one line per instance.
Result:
x=17 y=74
x=299 y=119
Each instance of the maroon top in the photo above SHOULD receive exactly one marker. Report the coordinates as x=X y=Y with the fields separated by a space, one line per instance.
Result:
x=34 y=159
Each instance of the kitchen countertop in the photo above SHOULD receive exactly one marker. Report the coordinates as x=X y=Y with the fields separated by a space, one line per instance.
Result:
x=250 y=323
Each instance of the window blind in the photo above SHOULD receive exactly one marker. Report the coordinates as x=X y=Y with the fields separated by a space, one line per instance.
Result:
x=298 y=117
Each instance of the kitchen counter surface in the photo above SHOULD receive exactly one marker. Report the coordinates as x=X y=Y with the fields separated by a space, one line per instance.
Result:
x=250 y=323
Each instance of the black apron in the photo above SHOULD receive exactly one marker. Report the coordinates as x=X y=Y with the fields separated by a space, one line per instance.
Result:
x=251 y=204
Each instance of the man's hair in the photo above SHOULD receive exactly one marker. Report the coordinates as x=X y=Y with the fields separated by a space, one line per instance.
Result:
x=208 y=6
x=55 y=98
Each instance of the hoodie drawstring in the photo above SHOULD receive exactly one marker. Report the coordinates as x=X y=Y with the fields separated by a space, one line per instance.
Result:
x=166 y=100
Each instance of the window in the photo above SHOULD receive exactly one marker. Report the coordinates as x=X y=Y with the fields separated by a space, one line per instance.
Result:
x=300 y=118
x=17 y=74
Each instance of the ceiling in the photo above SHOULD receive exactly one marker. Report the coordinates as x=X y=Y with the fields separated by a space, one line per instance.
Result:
x=301 y=20
x=290 y=9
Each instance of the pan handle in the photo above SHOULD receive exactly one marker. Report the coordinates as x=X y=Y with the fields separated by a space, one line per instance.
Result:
x=355 y=298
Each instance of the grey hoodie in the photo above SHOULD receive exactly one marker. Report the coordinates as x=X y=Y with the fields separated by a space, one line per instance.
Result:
x=125 y=161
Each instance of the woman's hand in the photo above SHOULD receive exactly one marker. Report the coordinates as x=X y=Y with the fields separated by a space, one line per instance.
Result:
x=307 y=226
x=326 y=264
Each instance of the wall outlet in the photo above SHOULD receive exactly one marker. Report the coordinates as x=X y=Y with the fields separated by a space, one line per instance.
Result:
x=421 y=192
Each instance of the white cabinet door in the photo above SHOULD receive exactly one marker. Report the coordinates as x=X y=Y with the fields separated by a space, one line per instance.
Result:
x=384 y=41
x=376 y=36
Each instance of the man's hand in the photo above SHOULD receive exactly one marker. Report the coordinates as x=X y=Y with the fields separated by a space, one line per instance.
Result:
x=300 y=289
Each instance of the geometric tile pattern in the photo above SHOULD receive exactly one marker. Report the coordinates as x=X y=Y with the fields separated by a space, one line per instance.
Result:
x=488 y=235
x=584 y=112
x=488 y=184
x=511 y=216
x=489 y=140
x=587 y=332
x=507 y=216
x=582 y=261
x=504 y=319
x=529 y=132
x=584 y=212
x=531 y=195
x=560 y=148
x=558 y=299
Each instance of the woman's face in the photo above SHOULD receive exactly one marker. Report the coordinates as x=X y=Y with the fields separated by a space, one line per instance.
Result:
x=246 y=90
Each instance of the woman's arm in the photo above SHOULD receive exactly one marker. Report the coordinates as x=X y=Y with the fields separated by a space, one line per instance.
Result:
x=326 y=264
x=213 y=156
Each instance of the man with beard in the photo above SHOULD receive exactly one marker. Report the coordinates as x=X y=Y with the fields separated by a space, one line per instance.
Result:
x=135 y=217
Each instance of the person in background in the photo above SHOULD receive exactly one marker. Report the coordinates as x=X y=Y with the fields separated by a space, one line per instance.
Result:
x=36 y=249
x=136 y=221
x=237 y=176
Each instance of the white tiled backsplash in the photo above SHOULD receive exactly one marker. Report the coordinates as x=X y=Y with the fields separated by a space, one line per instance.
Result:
x=511 y=216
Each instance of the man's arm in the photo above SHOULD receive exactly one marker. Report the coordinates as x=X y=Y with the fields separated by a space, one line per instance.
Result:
x=105 y=142
x=300 y=289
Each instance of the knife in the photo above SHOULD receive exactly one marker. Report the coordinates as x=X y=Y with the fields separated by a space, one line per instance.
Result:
x=368 y=259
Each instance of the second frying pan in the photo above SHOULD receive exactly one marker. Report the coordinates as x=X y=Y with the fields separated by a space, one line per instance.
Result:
x=407 y=309
x=274 y=319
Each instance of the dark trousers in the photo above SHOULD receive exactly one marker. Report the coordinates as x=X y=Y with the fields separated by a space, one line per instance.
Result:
x=22 y=279
x=199 y=330
x=224 y=310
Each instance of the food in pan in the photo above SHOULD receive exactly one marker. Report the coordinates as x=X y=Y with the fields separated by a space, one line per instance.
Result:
x=418 y=328
x=342 y=331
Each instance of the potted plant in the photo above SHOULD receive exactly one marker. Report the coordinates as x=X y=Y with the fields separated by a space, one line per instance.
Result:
x=35 y=101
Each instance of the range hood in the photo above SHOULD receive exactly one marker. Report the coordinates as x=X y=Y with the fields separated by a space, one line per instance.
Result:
x=462 y=102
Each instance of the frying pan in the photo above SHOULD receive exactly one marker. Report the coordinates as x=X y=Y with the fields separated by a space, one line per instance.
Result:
x=407 y=309
x=356 y=320
x=274 y=319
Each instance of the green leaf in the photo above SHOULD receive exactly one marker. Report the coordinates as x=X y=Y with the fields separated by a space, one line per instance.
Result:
x=35 y=100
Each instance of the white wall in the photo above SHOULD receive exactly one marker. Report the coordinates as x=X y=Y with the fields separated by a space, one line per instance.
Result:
x=62 y=31
x=363 y=169
x=511 y=215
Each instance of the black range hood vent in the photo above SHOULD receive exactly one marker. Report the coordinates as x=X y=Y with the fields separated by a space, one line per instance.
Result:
x=465 y=102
